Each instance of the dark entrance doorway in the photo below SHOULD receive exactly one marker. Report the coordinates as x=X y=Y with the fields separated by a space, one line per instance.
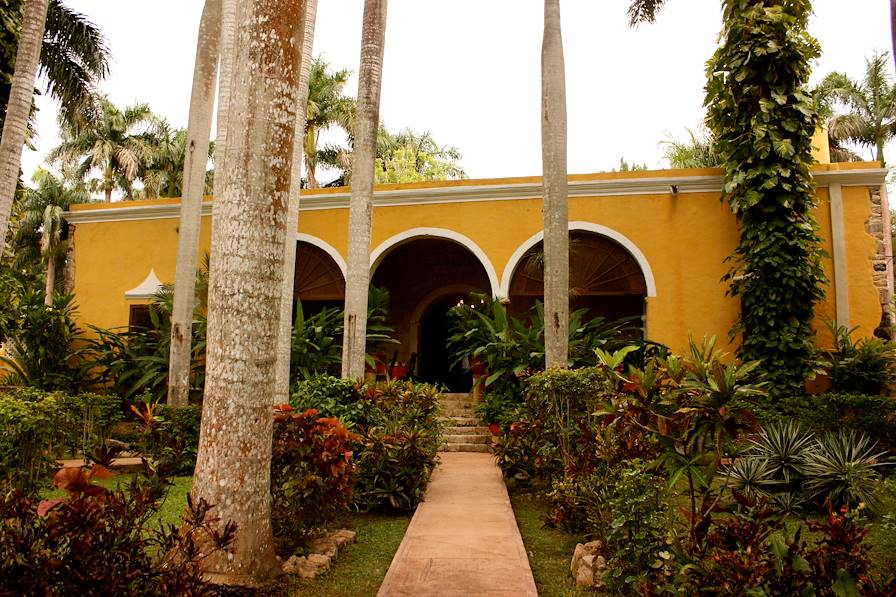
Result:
x=435 y=357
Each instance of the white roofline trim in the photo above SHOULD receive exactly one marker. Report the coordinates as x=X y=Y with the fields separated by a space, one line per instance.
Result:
x=616 y=187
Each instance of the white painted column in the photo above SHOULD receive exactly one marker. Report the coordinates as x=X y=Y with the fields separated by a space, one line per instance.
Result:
x=838 y=255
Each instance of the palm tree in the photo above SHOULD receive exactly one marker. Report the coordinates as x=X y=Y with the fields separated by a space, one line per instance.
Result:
x=556 y=215
x=73 y=57
x=233 y=462
x=373 y=42
x=644 y=11
x=19 y=106
x=412 y=157
x=42 y=215
x=225 y=67
x=326 y=107
x=117 y=144
x=189 y=165
x=163 y=175
x=870 y=119
x=284 y=334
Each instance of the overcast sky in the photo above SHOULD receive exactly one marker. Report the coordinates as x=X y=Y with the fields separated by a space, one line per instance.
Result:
x=469 y=70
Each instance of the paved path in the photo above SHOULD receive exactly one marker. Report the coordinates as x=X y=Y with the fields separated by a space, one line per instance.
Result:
x=463 y=540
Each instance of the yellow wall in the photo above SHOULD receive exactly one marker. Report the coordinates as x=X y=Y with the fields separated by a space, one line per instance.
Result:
x=685 y=239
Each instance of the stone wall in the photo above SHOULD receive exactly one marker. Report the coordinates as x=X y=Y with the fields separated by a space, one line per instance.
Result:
x=882 y=261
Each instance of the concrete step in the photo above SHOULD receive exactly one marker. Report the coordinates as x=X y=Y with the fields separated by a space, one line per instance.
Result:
x=465 y=448
x=466 y=430
x=466 y=438
x=458 y=412
x=455 y=396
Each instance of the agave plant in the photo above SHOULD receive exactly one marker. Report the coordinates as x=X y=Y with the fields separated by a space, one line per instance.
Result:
x=844 y=467
x=783 y=446
x=751 y=476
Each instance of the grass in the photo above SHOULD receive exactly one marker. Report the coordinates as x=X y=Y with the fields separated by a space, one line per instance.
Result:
x=550 y=550
x=359 y=570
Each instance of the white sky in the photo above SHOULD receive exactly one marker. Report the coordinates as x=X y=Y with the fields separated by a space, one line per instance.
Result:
x=469 y=70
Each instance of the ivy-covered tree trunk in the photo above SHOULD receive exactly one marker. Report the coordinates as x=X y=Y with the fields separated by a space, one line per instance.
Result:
x=763 y=121
x=18 y=107
x=199 y=127
x=373 y=41
x=284 y=335
x=556 y=211
x=234 y=460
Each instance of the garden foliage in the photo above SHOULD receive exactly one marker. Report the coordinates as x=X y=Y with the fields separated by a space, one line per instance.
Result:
x=38 y=427
x=312 y=474
x=398 y=431
x=101 y=542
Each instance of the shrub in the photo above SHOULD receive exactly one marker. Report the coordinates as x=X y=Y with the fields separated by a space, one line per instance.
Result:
x=842 y=467
x=627 y=511
x=333 y=397
x=43 y=351
x=312 y=474
x=399 y=449
x=38 y=427
x=170 y=436
x=865 y=366
x=872 y=415
x=100 y=542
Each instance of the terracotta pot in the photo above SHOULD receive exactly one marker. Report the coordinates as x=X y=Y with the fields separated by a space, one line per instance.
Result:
x=495 y=429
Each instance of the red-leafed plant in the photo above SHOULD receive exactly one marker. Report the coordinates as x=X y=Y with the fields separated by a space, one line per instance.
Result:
x=312 y=474
x=102 y=542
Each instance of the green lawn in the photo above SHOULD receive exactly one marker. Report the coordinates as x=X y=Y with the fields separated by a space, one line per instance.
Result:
x=550 y=550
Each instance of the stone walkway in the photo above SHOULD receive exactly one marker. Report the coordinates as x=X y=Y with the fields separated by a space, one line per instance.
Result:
x=463 y=540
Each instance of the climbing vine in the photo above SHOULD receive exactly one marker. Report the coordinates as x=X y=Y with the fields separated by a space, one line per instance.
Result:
x=763 y=120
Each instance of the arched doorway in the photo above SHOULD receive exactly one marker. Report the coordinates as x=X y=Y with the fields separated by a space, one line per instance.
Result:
x=319 y=282
x=425 y=277
x=603 y=277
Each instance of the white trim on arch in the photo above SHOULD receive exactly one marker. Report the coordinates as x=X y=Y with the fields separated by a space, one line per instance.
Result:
x=618 y=237
x=380 y=252
x=325 y=247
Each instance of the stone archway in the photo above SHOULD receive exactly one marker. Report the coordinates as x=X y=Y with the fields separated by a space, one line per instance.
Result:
x=604 y=277
x=425 y=276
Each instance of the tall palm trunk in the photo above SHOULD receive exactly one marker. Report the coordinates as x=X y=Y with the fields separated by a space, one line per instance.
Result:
x=893 y=28
x=284 y=335
x=50 y=285
x=228 y=28
x=311 y=160
x=205 y=72
x=556 y=225
x=234 y=460
x=373 y=41
x=18 y=107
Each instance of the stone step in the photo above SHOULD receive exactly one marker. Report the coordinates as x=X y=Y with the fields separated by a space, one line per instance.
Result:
x=466 y=438
x=466 y=430
x=457 y=412
x=455 y=396
x=465 y=448
x=463 y=421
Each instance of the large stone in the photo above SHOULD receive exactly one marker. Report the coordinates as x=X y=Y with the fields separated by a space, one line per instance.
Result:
x=587 y=565
x=307 y=567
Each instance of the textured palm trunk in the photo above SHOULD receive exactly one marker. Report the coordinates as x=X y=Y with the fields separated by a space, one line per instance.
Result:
x=373 y=41
x=51 y=281
x=284 y=335
x=233 y=464
x=556 y=224
x=893 y=27
x=228 y=28
x=202 y=99
x=18 y=107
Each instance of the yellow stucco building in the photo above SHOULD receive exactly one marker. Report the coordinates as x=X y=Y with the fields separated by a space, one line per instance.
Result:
x=648 y=243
